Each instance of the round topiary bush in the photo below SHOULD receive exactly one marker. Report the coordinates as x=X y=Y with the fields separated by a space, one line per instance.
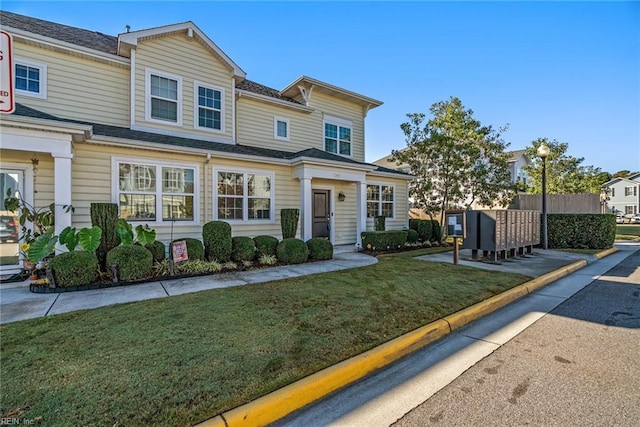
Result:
x=133 y=262
x=216 y=236
x=243 y=249
x=436 y=233
x=195 y=250
x=412 y=236
x=266 y=245
x=320 y=249
x=157 y=249
x=292 y=251
x=74 y=268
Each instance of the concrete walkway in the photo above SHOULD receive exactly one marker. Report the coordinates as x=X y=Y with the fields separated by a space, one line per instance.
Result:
x=18 y=303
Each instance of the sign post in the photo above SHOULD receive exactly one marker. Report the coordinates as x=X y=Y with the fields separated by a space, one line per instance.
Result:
x=456 y=226
x=7 y=99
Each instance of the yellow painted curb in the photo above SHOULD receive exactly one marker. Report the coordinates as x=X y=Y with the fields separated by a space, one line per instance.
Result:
x=280 y=403
x=606 y=252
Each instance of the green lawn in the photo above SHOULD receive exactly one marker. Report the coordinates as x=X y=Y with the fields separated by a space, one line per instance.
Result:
x=627 y=231
x=180 y=360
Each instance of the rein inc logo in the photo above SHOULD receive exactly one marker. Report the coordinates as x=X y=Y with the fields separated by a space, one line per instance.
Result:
x=7 y=101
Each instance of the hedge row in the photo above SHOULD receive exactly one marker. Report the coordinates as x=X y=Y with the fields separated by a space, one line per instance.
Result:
x=581 y=231
x=382 y=240
x=428 y=230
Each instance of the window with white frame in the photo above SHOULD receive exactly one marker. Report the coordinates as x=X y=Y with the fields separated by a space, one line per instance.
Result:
x=209 y=111
x=244 y=196
x=630 y=191
x=280 y=128
x=164 y=97
x=628 y=210
x=30 y=78
x=337 y=135
x=380 y=200
x=158 y=193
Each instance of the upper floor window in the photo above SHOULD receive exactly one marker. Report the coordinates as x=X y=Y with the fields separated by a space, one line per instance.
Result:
x=380 y=199
x=209 y=111
x=30 y=79
x=280 y=128
x=613 y=192
x=630 y=191
x=244 y=196
x=155 y=192
x=337 y=136
x=164 y=97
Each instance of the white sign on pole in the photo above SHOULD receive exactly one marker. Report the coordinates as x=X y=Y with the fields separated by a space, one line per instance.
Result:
x=7 y=101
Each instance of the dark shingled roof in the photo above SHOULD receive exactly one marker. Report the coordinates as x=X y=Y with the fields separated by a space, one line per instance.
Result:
x=77 y=36
x=254 y=87
x=126 y=133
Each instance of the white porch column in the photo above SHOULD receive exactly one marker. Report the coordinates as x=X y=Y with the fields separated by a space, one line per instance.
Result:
x=361 y=209
x=306 y=214
x=62 y=185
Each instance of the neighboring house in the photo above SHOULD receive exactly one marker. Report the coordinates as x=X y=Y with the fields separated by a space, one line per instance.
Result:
x=162 y=122
x=517 y=160
x=624 y=194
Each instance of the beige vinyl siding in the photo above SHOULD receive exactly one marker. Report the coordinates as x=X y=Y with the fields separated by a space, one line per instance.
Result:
x=328 y=105
x=43 y=174
x=401 y=203
x=79 y=88
x=255 y=126
x=189 y=59
x=344 y=213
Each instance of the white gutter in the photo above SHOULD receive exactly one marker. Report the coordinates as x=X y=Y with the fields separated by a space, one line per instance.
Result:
x=280 y=102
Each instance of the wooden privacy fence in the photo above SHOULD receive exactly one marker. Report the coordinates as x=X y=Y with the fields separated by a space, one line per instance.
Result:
x=559 y=203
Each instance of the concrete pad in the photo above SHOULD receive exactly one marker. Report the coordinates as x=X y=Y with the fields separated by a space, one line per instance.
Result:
x=266 y=274
x=72 y=301
x=20 y=304
x=315 y=267
x=204 y=283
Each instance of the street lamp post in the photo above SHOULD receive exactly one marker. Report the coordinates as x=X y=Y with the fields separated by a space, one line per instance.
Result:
x=543 y=153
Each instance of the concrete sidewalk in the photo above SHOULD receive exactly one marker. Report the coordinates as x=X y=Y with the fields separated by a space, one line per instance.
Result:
x=18 y=303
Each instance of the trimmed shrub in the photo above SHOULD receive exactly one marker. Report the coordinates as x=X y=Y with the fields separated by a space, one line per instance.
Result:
x=436 y=231
x=383 y=240
x=74 y=268
x=412 y=236
x=216 y=236
x=581 y=231
x=133 y=262
x=105 y=216
x=266 y=245
x=379 y=222
x=423 y=227
x=157 y=249
x=243 y=249
x=320 y=249
x=195 y=250
x=289 y=222
x=292 y=251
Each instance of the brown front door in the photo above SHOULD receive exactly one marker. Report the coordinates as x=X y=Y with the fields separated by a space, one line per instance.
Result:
x=321 y=213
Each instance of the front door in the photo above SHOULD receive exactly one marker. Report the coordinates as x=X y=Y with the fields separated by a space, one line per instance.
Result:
x=12 y=180
x=321 y=213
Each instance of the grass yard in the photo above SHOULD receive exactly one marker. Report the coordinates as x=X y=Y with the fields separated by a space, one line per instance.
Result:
x=627 y=232
x=180 y=360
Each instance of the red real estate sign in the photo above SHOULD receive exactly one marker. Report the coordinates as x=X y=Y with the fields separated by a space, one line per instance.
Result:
x=7 y=101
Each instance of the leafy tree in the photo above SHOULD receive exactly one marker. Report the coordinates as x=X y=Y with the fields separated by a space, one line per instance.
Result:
x=621 y=174
x=457 y=160
x=565 y=174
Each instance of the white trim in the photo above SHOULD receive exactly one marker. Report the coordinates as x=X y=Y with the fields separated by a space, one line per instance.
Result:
x=280 y=102
x=178 y=134
x=196 y=106
x=339 y=123
x=277 y=119
x=158 y=164
x=132 y=85
x=380 y=201
x=332 y=194
x=148 y=72
x=27 y=195
x=233 y=110
x=245 y=196
x=334 y=90
x=42 y=94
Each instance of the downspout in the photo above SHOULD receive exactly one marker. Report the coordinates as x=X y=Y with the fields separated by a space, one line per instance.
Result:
x=233 y=110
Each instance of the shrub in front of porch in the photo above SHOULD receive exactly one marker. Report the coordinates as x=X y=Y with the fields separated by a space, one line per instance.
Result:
x=132 y=262
x=218 y=245
x=74 y=268
x=320 y=249
x=266 y=245
x=195 y=250
x=157 y=249
x=384 y=240
x=243 y=249
x=292 y=251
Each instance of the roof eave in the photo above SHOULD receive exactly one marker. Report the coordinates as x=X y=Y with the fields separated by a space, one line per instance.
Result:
x=292 y=91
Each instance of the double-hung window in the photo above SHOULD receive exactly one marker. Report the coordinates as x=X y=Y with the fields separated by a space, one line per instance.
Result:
x=337 y=135
x=164 y=97
x=209 y=109
x=244 y=196
x=156 y=193
x=380 y=200
x=630 y=191
x=280 y=128
x=30 y=79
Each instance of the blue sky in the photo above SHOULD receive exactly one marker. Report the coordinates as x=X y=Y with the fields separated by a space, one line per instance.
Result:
x=563 y=70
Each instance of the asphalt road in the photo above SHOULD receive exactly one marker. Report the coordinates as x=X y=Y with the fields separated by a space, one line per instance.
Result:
x=577 y=366
x=565 y=355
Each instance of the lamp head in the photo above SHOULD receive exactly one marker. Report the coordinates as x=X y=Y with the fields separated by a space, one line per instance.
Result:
x=543 y=151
